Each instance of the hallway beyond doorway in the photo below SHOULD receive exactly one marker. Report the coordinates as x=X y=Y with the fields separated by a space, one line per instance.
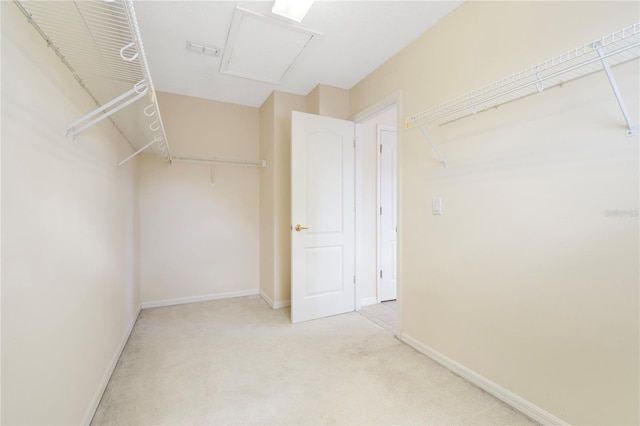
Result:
x=382 y=314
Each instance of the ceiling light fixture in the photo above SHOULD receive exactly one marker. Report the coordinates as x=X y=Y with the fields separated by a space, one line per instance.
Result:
x=292 y=9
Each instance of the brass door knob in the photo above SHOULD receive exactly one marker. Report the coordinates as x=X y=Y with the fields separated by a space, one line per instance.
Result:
x=299 y=228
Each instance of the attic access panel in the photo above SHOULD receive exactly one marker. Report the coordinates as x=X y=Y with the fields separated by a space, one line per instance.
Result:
x=261 y=48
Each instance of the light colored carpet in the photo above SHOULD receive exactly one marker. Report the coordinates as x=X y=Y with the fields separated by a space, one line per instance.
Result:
x=237 y=361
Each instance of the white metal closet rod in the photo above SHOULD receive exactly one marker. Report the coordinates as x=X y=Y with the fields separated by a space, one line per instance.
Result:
x=222 y=161
x=139 y=90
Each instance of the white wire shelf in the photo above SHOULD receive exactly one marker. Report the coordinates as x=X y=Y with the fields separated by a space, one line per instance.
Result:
x=99 y=42
x=613 y=49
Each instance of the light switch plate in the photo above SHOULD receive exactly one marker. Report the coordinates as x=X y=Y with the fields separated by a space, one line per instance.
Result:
x=436 y=206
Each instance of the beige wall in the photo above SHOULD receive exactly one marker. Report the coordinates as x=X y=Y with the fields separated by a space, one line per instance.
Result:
x=313 y=101
x=268 y=252
x=70 y=288
x=524 y=279
x=276 y=236
x=200 y=240
x=328 y=101
x=285 y=103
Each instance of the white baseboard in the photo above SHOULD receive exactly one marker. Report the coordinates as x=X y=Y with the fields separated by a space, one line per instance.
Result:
x=527 y=408
x=274 y=305
x=204 y=298
x=95 y=401
x=366 y=301
x=266 y=298
x=281 y=304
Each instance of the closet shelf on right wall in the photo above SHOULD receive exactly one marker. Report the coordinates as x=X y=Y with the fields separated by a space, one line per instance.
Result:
x=599 y=55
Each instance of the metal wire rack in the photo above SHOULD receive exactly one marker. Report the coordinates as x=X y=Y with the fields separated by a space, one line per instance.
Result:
x=610 y=50
x=99 y=42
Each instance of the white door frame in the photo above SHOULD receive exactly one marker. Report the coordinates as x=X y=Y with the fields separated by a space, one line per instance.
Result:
x=380 y=128
x=360 y=117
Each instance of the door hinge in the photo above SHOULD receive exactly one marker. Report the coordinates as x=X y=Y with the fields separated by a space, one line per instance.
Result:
x=380 y=211
x=380 y=273
x=354 y=279
x=380 y=148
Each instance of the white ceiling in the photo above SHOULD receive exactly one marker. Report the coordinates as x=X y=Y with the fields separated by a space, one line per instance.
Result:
x=356 y=38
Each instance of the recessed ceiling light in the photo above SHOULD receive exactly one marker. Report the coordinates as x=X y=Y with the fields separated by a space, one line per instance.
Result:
x=292 y=9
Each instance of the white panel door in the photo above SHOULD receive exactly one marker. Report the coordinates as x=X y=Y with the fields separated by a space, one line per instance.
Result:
x=388 y=234
x=323 y=217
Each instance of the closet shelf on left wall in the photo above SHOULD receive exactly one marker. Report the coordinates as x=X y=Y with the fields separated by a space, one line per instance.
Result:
x=99 y=42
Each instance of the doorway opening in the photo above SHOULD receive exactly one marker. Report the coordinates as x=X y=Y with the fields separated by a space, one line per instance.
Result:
x=377 y=213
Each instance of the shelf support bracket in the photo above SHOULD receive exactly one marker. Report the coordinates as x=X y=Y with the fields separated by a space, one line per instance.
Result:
x=157 y=139
x=433 y=146
x=632 y=129
x=139 y=90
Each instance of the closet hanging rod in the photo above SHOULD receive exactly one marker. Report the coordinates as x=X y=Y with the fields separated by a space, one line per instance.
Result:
x=613 y=49
x=223 y=161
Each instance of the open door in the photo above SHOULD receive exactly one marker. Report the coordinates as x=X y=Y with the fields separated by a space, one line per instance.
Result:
x=323 y=217
x=387 y=209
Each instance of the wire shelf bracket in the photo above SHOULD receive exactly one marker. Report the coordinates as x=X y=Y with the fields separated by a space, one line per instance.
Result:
x=99 y=42
x=602 y=54
x=433 y=146
x=632 y=129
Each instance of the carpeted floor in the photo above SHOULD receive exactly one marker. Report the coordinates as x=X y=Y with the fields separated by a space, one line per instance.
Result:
x=237 y=361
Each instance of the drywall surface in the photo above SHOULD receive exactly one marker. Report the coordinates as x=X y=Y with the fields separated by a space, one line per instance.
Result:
x=328 y=101
x=285 y=103
x=313 y=101
x=267 y=201
x=530 y=276
x=69 y=239
x=199 y=225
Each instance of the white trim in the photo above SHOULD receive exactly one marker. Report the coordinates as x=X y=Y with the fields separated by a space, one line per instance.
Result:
x=527 y=408
x=266 y=298
x=357 y=175
x=281 y=304
x=394 y=99
x=378 y=107
x=366 y=301
x=378 y=218
x=95 y=401
x=275 y=305
x=204 y=298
